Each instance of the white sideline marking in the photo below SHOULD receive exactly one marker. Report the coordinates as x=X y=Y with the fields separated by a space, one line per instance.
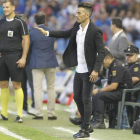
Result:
x=12 y=112
x=70 y=131
x=7 y=132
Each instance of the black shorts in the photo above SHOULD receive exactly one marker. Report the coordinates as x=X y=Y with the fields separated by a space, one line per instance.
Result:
x=8 y=68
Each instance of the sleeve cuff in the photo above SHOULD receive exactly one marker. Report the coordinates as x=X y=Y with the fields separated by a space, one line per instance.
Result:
x=47 y=33
x=96 y=70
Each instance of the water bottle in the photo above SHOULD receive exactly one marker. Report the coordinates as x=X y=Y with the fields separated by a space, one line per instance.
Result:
x=73 y=109
x=125 y=122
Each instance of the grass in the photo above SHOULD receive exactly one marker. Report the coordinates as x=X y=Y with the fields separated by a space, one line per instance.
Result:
x=44 y=129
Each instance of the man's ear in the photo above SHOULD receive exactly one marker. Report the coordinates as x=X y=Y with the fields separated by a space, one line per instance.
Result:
x=14 y=8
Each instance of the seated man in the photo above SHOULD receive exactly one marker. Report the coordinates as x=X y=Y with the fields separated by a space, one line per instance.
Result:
x=133 y=64
x=134 y=68
x=119 y=78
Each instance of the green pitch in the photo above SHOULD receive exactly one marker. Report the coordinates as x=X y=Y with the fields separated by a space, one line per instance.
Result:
x=61 y=129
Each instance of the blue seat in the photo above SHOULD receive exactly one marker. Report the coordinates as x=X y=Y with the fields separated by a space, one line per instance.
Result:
x=137 y=43
x=123 y=103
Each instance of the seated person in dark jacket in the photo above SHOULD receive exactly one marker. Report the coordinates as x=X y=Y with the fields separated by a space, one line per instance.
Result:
x=132 y=63
x=134 y=68
x=119 y=78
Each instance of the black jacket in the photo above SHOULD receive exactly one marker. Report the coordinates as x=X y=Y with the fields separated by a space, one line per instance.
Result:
x=93 y=45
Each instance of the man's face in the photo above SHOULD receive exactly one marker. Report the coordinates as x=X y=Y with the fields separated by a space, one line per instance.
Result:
x=131 y=58
x=8 y=9
x=81 y=15
x=106 y=63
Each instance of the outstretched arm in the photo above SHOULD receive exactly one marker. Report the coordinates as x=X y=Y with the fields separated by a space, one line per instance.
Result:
x=56 y=34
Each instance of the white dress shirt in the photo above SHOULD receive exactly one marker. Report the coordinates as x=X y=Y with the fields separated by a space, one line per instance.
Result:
x=116 y=35
x=80 y=39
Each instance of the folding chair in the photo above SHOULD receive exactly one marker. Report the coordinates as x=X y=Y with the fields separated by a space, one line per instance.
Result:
x=123 y=103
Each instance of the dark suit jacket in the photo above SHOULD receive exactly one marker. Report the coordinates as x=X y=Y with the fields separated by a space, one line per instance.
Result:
x=42 y=50
x=93 y=45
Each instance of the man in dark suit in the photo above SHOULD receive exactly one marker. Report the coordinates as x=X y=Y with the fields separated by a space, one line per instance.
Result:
x=85 y=42
x=43 y=62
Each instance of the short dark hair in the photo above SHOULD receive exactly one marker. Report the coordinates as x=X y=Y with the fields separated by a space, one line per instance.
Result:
x=40 y=18
x=88 y=6
x=11 y=1
x=117 y=21
x=108 y=54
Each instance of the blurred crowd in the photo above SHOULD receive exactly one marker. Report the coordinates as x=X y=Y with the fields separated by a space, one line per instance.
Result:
x=60 y=15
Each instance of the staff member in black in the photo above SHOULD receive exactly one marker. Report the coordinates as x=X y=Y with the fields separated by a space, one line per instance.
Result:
x=85 y=42
x=119 y=78
x=133 y=64
x=134 y=68
x=13 y=58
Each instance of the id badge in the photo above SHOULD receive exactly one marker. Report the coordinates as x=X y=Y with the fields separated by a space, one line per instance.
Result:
x=10 y=33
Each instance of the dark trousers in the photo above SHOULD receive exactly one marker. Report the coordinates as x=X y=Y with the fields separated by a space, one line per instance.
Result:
x=82 y=95
x=101 y=98
x=27 y=76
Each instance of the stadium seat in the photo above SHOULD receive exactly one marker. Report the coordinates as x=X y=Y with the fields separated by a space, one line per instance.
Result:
x=123 y=103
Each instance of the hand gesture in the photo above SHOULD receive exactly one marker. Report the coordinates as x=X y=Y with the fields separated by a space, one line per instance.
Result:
x=42 y=30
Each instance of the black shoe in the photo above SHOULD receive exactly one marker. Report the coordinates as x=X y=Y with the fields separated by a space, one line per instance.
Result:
x=76 y=121
x=18 y=119
x=99 y=123
x=93 y=120
x=90 y=130
x=3 y=118
x=38 y=118
x=81 y=134
x=52 y=118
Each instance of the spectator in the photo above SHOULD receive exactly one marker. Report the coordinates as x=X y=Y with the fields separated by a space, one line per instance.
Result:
x=129 y=22
x=55 y=7
x=73 y=7
x=19 y=8
x=45 y=7
x=104 y=24
x=1 y=9
x=137 y=25
x=31 y=9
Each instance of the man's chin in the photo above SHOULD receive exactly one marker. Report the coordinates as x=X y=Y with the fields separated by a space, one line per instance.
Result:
x=6 y=14
x=78 y=21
